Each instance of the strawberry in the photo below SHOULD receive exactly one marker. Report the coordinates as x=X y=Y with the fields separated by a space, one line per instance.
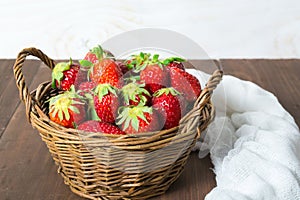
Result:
x=67 y=109
x=135 y=94
x=107 y=71
x=81 y=77
x=138 y=119
x=170 y=106
x=185 y=83
x=174 y=62
x=106 y=102
x=153 y=74
x=102 y=127
x=64 y=75
x=155 y=77
x=86 y=87
x=95 y=55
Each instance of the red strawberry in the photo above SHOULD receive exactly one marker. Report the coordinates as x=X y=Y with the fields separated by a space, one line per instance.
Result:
x=107 y=71
x=102 y=127
x=185 y=83
x=86 y=87
x=95 y=55
x=91 y=57
x=82 y=76
x=153 y=74
x=174 y=62
x=155 y=77
x=67 y=109
x=106 y=102
x=169 y=104
x=138 y=119
x=64 y=75
x=135 y=94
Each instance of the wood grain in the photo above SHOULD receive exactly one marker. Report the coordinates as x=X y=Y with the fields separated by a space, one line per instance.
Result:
x=27 y=170
x=9 y=99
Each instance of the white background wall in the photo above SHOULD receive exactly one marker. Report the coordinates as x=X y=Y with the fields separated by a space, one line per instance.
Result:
x=224 y=28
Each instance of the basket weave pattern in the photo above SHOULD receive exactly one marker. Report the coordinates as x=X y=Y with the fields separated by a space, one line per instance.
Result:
x=105 y=166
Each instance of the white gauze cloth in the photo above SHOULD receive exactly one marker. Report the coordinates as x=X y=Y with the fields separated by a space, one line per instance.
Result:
x=254 y=144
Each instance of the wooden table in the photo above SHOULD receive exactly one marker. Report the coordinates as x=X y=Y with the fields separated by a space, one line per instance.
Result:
x=27 y=170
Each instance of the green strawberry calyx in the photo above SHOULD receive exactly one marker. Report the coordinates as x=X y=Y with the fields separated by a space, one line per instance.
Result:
x=132 y=78
x=166 y=91
x=58 y=72
x=104 y=89
x=136 y=61
x=173 y=59
x=91 y=107
x=62 y=103
x=130 y=91
x=98 y=52
x=85 y=63
x=130 y=115
x=101 y=53
x=150 y=61
x=156 y=61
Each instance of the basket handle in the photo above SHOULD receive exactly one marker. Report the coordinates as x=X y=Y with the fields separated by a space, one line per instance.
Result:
x=205 y=97
x=20 y=80
x=214 y=80
x=201 y=106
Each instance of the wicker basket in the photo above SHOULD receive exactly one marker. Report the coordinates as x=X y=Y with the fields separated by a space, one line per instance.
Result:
x=105 y=166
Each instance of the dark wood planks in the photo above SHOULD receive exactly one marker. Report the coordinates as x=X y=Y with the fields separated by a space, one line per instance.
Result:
x=28 y=172
x=5 y=73
x=9 y=97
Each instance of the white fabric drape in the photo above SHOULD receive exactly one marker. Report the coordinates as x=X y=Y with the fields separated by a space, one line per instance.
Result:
x=254 y=144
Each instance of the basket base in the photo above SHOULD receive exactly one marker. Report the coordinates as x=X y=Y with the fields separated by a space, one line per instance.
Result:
x=133 y=193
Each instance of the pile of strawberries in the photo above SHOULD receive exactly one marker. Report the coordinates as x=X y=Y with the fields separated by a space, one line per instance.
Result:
x=140 y=94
